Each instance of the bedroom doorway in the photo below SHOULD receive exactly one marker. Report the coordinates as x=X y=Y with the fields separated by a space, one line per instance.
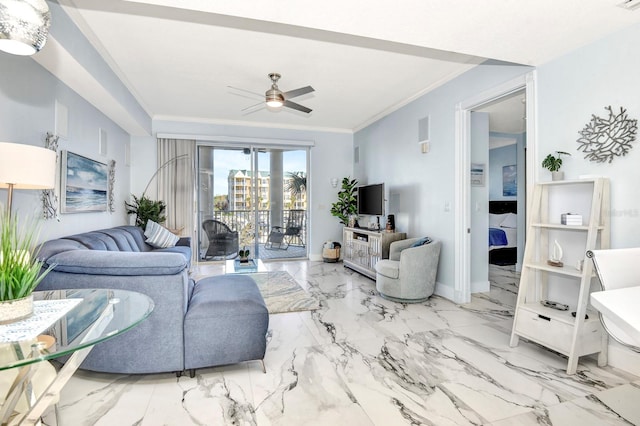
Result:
x=471 y=207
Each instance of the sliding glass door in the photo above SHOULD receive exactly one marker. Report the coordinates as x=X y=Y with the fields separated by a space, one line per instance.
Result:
x=253 y=198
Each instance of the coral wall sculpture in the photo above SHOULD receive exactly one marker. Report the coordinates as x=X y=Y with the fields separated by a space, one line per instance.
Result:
x=49 y=196
x=112 y=182
x=604 y=138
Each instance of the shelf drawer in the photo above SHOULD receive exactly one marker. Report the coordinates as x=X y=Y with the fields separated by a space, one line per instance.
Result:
x=556 y=334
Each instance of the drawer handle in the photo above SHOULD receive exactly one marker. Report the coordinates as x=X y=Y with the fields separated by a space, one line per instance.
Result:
x=544 y=318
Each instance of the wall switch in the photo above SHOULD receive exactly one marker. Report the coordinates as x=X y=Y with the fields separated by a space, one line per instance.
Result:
x=447 y=206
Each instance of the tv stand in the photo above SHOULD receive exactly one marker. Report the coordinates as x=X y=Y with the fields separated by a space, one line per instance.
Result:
x=363 y=248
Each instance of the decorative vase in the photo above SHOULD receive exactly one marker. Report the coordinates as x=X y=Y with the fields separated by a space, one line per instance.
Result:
x=16 y=310
x=557 y=175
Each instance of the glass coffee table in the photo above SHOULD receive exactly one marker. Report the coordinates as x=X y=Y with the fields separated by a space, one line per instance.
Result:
x=72 y=321
x=234 y=266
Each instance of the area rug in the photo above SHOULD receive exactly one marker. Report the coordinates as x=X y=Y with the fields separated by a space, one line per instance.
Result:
x=282 y=293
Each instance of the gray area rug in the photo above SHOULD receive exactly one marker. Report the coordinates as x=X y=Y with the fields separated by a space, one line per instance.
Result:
x=282 y=293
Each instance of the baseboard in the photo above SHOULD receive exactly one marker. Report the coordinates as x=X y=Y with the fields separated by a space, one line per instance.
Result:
x=480 y=287
x=623 y=358
x=445 y=291
x=315 y=257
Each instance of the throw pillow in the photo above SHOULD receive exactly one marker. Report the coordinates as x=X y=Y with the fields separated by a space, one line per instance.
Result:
x=421 y=242
x=158 y=236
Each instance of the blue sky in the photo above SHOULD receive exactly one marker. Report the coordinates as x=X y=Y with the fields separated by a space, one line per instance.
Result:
x=225 y=160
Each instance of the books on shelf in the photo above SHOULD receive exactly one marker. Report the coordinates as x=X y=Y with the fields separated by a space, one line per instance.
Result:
x=571 y=219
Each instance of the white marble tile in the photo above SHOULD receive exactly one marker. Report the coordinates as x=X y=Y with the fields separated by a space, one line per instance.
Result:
x=363 y=360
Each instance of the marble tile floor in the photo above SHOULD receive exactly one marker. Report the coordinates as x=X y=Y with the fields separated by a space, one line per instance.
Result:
x=363 y=360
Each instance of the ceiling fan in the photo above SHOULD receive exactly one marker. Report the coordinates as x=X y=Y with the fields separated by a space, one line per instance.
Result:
x=275 y=98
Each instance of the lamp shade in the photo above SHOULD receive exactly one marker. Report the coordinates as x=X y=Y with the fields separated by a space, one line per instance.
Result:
x=27 y=166
x=24 y=26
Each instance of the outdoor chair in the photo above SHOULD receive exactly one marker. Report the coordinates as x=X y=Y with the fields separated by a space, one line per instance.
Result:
x=281 y=237
x=222 y=240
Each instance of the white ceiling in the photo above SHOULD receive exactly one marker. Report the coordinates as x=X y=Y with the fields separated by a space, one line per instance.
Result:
x=364 y=59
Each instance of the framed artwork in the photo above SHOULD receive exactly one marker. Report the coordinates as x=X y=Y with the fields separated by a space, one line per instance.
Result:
x=477 y=174
x=509 y=181
x=84 y=184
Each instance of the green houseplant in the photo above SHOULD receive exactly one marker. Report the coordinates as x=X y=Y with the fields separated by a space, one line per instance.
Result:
x=553 y=164
x=347 y=203
x=146 y=209
x=20 y=272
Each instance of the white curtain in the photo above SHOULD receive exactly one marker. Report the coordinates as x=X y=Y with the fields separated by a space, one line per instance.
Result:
x=176 y=185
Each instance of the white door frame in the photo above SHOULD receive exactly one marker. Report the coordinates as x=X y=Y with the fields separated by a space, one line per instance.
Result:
x=462 y=221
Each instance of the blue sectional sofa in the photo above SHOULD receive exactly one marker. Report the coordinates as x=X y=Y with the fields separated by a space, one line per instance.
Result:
x=119 y=258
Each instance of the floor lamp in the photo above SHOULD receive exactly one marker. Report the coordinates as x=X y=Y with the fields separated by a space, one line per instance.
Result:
x=25 y=167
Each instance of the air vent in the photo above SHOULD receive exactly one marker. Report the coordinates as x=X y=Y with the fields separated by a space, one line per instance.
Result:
x=630 y=4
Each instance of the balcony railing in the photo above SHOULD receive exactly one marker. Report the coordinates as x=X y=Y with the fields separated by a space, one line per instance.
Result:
x=237 y=220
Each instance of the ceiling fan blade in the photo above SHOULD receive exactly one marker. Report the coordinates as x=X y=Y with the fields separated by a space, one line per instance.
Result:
x=298 y=92
x=296 y=106
x=247 y=91
x=252 y=106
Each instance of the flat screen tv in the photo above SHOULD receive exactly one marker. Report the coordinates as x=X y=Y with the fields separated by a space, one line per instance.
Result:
x=371 y=199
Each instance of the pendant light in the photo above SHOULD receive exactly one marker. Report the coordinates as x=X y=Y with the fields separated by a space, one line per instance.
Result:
x=24 y=25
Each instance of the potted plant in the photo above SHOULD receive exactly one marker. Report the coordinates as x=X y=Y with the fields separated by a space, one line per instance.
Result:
x=146 y=209
x=244 y=254
x=20 y=271
x=553 y=164
x=346 y=205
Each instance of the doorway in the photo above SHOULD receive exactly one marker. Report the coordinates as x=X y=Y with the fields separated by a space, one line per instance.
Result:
x=250 y=196
x=500 y=220
x=463 y=203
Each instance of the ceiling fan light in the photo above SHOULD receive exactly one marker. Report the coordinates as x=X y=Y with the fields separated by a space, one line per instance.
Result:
x=24 y=26
x=274 y=103
x=274 y=98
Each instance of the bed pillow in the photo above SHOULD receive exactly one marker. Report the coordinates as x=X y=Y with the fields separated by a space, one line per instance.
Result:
x=496 y=219
x=511 y=221
x=158 y=236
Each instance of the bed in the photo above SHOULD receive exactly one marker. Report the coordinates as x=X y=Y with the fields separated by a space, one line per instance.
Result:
x=503 y=241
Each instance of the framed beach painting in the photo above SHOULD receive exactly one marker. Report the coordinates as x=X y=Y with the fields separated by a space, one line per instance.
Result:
x=84 y=184
x=509 y=181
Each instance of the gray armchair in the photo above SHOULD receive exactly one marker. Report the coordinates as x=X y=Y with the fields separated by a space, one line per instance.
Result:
x=409 y=275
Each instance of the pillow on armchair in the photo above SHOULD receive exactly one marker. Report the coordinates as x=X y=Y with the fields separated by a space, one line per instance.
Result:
x=421 y=242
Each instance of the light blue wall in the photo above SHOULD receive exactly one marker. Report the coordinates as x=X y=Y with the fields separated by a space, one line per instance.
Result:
x=574 y=87
x=27 y=98
x=422 y=185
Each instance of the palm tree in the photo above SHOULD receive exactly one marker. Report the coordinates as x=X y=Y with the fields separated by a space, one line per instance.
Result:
x=296 y=184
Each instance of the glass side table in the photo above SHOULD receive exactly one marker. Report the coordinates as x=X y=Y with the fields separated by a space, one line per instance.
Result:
x=84 y=318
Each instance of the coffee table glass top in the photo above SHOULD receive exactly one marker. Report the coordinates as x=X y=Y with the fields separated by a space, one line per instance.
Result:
x=92 y=316
x=234 y=266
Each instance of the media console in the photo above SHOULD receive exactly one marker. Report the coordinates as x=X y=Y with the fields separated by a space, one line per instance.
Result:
x=363 y=248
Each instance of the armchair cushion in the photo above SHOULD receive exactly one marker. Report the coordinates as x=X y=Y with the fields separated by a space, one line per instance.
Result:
x=388 y=268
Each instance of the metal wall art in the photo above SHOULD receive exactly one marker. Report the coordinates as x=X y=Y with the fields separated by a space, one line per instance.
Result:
x=112 y=182
x=49 y=196
x=604 y=138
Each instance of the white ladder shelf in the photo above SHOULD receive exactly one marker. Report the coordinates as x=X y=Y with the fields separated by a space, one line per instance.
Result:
x=556 y=329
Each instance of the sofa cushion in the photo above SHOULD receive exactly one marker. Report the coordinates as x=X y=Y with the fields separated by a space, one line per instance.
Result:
x=95 y=262
x=388 y=268
x=183 y=250
x=158 y=236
